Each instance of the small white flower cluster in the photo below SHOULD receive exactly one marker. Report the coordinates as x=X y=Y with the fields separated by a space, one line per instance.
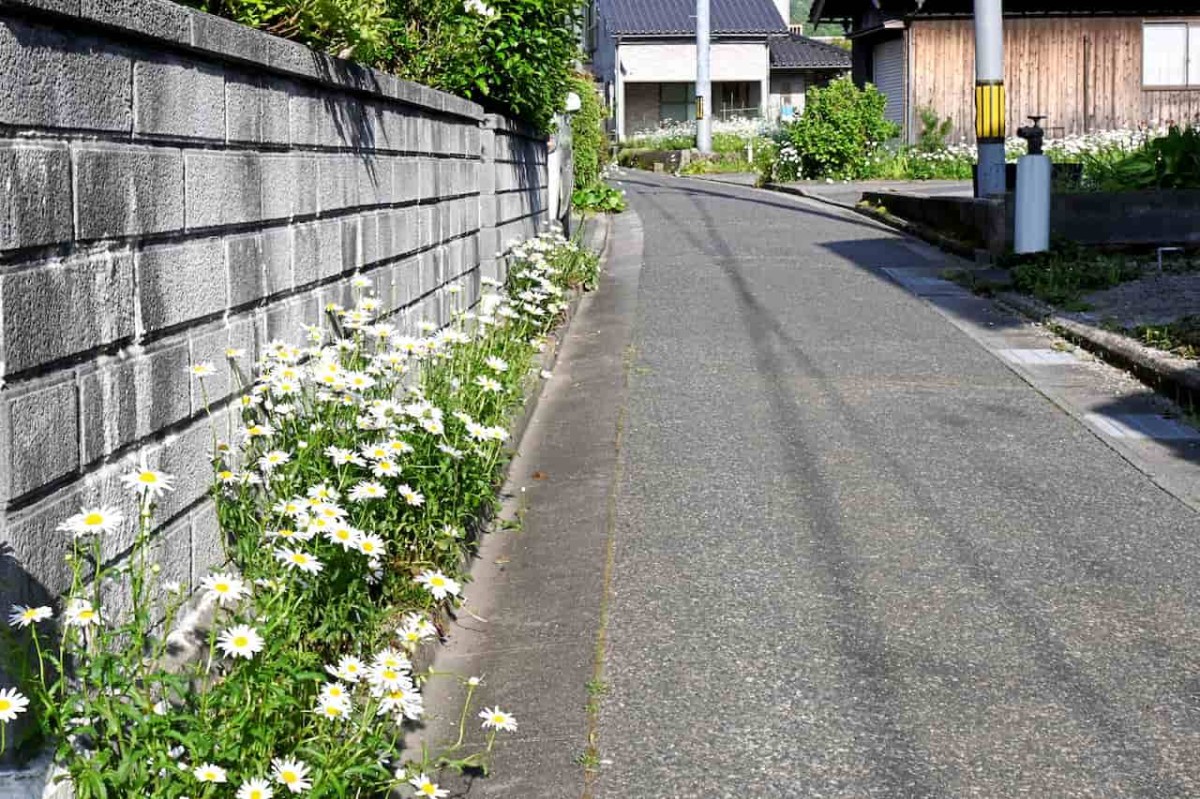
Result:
x=345 y=451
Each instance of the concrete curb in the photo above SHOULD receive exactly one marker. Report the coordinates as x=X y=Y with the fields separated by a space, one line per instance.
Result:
x=904 y=226
x=1155 y=368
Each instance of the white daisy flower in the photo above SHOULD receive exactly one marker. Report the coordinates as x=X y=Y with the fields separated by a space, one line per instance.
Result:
x=412 y=497
x=496 y=364
x=22 y=616
x=225 y=588
x=302 y=561
x=367 y=490
x=207 y=772
x=372 y=546
x=456 y=454
x=438 y=584
x=488 y=384
x=80 y=613
x=496 y=719
x=335 y=708
x=386 y=678
x=148 y=483
x=12 y=704
x=241 y=641
x=423 y=785
x=385 y=468
x=344 y=535
x=202 y=369
x=291 y=774
x=415 y=629
x=92 y=520
x=273 y=459
x=348 y=668
x=255 y=789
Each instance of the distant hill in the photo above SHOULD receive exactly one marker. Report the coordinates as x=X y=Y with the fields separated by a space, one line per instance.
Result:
x=800 y=9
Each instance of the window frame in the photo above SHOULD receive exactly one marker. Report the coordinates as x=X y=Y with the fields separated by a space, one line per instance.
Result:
x=1189 y=26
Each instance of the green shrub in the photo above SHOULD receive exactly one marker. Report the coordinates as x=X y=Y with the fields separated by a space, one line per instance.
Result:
x=1168 y=162
x=347 y=28
x=934 y=131
x=518 y=59
x=599 y=197
x=588 y=140
x=841 y=128
x=515 y=57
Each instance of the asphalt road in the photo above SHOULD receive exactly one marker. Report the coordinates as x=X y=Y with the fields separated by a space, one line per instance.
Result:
x=854 y=555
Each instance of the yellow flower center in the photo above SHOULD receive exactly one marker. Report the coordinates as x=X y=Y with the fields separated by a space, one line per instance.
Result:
x=300 y=558
x=367 y=546
x=241 y=641
x=221 y=588
x=429 y=789
x=149 y=478
x=225 y=475
x=256 y=793
x=437 y=581
x=497 y=718
x=333 y=711
x=289 y=777
x=87 y=615
x=5 y=704
x=343 y=535
x=29 y=615
x=93 y=519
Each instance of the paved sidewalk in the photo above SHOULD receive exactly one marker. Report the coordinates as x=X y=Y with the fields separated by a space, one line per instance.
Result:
x=844 y=533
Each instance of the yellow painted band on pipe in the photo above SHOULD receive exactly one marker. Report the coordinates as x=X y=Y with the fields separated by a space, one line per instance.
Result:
x=990 y=111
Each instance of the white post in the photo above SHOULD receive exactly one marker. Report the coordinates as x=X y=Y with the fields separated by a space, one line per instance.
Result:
x=703 y=81
x=989 y=96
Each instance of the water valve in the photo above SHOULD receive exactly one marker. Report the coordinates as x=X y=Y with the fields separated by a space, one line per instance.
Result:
x=1035 y=135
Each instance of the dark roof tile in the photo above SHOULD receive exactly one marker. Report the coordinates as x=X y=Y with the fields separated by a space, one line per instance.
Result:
x=678 y=17
x=800 y=52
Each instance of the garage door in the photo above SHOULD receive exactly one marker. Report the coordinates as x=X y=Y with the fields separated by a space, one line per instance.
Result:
x=889 y=77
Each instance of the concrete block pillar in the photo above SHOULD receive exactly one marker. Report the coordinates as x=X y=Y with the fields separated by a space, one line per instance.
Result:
x=489 y=237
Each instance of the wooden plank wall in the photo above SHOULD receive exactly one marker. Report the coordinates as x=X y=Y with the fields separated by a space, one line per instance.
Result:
x=1047 y=67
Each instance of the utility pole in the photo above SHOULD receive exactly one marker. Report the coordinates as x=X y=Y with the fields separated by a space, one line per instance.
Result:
x=989 y=96
x=703 y=81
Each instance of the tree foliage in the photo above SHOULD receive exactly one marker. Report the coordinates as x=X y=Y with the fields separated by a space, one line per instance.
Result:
x=842 y=127
x=514 y=57
x=587 y=133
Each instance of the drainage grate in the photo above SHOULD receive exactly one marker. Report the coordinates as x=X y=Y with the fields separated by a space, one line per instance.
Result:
x=1036 y=357
x=1143 y=426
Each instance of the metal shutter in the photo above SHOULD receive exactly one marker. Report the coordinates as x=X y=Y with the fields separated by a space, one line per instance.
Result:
x=889 y=77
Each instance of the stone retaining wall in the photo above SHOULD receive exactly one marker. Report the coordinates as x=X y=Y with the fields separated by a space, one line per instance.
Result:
x=176 y=185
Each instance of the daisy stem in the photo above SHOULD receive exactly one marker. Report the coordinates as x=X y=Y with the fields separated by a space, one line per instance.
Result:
x=3 y=740
x=37 y=647
x=462 y=719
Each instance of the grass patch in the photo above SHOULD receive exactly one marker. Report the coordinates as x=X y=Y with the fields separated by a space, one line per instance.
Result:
x=1181 y=337
x=1068 y=271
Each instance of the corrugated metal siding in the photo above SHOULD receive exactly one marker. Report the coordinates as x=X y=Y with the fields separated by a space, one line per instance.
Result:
x=889 y=77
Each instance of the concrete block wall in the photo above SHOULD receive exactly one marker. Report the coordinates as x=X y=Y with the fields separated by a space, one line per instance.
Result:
x=176 y=185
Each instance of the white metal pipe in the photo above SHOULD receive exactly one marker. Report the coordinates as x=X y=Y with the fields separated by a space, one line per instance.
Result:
x=703 y=81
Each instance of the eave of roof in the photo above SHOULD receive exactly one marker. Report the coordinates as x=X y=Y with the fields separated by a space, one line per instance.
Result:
x=847 y=10
x=677 y=17
x=801 y=52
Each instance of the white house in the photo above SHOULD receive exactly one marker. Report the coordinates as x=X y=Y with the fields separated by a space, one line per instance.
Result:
x=644 y=55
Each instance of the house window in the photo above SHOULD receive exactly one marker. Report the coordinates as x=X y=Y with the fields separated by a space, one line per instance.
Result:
x=676 y=101
x=1170 y=54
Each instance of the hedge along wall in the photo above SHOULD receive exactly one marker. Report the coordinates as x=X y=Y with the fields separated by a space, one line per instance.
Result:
x=175 y=185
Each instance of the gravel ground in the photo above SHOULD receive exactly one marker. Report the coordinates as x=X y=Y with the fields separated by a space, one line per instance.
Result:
x=1154 y=300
